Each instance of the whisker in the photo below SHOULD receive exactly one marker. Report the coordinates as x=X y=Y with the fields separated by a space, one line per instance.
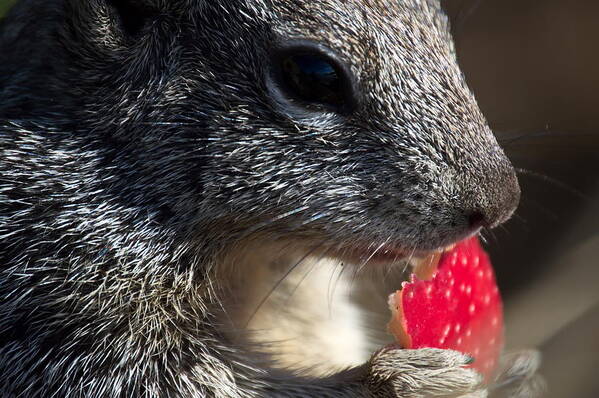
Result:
x=390 y=267
x=331 y=292
x=553 y=181
x=278 y=283
x=518 y=217
x=543 y=209
x=504 y=229
x=359 y=269
x=410 y=258
x=523 y=135
x=303 y=278
x=379 y=247
x=483 y=238
x=492 y=235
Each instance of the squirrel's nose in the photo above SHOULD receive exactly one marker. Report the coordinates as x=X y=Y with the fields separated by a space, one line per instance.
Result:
x=477 y=219
x=494 y=203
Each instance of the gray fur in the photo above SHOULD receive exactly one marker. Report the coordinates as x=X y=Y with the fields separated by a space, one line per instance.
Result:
x=134 y=157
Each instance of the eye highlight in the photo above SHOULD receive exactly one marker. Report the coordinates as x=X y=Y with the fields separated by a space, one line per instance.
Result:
x=313 y=77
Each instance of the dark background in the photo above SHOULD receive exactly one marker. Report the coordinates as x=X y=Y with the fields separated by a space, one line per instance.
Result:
x=533 y=65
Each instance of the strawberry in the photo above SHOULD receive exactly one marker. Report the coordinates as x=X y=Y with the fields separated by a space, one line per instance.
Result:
x=459 y=308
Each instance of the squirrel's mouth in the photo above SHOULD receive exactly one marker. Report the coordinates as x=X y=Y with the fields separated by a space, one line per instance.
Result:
x=425 y=262
x=389 y=254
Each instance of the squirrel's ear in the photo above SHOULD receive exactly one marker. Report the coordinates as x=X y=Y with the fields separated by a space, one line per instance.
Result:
x=112 y=22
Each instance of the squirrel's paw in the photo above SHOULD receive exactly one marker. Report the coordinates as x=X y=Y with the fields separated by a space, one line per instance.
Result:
x=422 y=373
x=518 y=377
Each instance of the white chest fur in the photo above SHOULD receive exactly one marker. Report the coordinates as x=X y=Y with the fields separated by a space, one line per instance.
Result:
x=304 y=320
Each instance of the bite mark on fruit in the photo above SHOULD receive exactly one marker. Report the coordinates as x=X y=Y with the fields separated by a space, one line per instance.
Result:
x=455 y=305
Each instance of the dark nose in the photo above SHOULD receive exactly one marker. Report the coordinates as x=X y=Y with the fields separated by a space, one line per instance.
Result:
x=494 y=201
x=477 y=219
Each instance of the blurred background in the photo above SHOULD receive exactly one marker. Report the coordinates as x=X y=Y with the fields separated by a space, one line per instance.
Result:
x=5 y=5
x=534 y=67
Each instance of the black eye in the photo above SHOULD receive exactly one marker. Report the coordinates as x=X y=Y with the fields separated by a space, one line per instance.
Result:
x=313 y=77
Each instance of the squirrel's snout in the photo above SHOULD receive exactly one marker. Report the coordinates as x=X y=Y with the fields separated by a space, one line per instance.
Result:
x=494 y=201
x=509 y=198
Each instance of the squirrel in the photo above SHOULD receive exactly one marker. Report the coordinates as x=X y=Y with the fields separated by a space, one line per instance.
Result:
x=163 y=162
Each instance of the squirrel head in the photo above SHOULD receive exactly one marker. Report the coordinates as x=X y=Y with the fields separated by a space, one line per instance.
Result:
x=348 y=122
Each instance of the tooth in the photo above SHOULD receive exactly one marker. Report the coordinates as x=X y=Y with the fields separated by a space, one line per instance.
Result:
x=415 y=262
x=426 y=267
x=450 y=247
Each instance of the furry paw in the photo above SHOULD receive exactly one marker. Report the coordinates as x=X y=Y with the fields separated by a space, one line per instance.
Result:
x=518 y=377
x=427 y=372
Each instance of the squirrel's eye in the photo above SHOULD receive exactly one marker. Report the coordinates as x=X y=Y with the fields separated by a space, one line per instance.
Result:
x=311 y=77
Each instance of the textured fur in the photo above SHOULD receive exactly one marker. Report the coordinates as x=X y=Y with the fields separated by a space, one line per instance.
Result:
x=144 y=152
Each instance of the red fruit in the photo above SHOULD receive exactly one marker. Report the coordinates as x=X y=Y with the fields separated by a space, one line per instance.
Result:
x=459 y=308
